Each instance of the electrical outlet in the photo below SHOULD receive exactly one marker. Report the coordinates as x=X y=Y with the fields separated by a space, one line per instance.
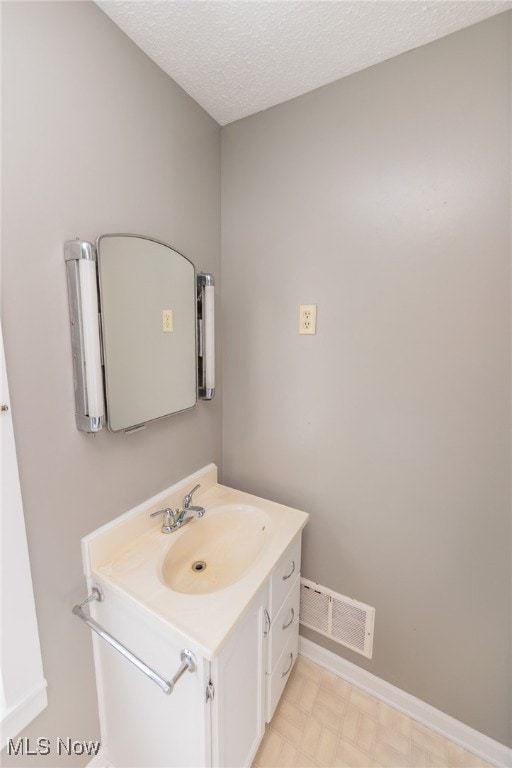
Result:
x=307 y=319
x=167 y=321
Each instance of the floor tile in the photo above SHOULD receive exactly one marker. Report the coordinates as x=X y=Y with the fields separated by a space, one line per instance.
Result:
x=366 y=733
x=327 y=717
x=389 y=757
x=327 y=699
x=386 y=715
x=309 y=695
x=392 y=738
x=287 y=729
x=311 y=737
x=292 y=712
x=323 y=721
x=287 y=755
x=350 y=724
x=326 y=747
x=349 y=756
x=268 y=753
x=305 y=761
x=363 y=702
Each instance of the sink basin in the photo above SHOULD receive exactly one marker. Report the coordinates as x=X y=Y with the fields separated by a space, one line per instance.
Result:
x=215 y=551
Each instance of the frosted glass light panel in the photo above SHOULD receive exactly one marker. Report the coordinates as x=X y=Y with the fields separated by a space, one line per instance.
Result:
x=148 y=320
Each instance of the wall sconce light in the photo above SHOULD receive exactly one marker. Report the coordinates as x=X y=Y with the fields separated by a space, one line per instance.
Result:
x=80 y=259
x=206 y=336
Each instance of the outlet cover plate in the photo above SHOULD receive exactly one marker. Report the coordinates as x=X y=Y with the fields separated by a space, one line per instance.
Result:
x=307 y=319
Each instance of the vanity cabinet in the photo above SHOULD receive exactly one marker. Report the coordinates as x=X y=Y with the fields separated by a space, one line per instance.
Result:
x=216 y=715
x=242 y=637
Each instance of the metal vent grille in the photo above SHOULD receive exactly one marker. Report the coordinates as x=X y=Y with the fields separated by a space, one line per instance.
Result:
x=347 y=621
x=314 y=609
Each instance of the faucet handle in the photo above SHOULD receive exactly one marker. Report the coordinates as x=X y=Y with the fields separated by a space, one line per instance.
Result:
x=188 y=498
x=201 y=511
x=167 y=512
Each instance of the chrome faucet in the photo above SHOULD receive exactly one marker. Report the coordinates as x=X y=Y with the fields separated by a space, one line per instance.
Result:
x=173 y=520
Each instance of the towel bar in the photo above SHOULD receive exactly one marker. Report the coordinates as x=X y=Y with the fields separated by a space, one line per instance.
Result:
x=187 y=657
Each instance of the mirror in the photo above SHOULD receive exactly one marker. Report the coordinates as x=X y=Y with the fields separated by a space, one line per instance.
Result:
x=148 y=322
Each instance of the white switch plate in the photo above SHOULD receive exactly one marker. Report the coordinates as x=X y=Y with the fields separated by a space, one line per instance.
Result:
x=167 y=321
x=307 y=319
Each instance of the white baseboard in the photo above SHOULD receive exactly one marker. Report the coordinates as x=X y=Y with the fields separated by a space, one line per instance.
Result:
x=489 y=750
x=17 y=717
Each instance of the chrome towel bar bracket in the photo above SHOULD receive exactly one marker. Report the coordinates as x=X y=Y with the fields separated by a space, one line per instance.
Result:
x=188 y=661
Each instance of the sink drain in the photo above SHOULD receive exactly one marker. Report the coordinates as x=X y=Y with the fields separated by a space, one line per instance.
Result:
x=199 y=566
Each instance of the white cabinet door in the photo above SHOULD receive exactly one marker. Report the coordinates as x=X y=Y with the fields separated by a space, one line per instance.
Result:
x=239 y=676
x=141 y=726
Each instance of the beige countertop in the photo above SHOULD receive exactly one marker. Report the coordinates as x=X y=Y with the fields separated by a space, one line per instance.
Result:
x=128 y=556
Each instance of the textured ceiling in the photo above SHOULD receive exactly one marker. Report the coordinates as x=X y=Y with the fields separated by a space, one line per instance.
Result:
x=237 y=57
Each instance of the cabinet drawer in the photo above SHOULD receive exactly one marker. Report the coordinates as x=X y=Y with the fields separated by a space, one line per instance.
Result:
x=283 y=625
x=279 y=677
x=283 y=576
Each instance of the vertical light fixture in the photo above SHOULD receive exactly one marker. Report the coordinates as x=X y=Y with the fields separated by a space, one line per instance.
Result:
x=206 y=335
x=80 y=259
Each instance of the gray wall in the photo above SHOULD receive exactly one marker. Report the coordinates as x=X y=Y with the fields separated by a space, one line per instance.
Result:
x=385 y=199
x=95 y=139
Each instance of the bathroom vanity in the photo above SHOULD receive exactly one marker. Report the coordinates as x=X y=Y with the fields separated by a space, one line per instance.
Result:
x=221 y=594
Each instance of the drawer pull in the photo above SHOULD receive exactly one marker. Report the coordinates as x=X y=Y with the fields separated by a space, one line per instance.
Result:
x=267 y=623
x=290 y=665
x=289 y=623
x=289 y=575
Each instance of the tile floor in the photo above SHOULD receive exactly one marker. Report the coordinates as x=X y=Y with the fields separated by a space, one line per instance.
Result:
x=324 y=721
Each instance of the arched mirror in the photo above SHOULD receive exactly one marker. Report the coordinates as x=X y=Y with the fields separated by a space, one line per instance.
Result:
x=148 y=303
x=148 y=321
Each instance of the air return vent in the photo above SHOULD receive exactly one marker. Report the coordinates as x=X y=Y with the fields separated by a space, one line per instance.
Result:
x=340 y=618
